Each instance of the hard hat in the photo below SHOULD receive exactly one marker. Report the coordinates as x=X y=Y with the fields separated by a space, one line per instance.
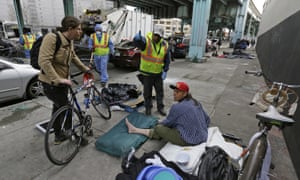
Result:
x=98 y=27
x=159 y=30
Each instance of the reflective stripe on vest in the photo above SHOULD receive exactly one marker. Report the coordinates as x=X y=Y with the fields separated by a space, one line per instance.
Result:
x=28 y=41
x=151 y=61
x=101 y=48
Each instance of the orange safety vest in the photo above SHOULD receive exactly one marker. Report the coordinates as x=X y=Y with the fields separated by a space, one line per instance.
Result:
x=28 y=41
x=101 y=48
x=152 y=60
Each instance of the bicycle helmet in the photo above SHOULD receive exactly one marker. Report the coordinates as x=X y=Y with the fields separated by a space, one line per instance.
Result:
x=87 y=76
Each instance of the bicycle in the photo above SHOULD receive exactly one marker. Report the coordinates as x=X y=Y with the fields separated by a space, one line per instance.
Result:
x=257 y=156
x=74 y=121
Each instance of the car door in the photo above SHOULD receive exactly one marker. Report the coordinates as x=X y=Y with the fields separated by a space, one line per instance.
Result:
x=10 y=83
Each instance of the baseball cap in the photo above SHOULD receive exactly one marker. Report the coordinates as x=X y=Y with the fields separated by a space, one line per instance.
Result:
x=181 y=86
x=159 y=30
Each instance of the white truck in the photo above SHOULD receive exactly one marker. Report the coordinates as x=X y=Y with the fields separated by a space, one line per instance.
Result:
x=124 y=24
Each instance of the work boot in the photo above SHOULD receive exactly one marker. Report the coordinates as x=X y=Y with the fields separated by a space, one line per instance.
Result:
x=148 y=112
x=162 y=112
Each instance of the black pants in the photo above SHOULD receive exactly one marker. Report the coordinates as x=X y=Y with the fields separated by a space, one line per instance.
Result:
x=59 y=96
x=157 y=82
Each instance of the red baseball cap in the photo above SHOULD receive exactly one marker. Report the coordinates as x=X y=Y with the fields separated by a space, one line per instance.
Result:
x=181 y=86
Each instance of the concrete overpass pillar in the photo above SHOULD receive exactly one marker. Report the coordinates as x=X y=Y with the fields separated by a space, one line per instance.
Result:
x=200 y=19
x=240 y=21
x=249 y=35
x=19 y=15
x=68 y=7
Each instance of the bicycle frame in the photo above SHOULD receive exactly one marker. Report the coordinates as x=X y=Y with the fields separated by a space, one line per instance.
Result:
x=259 y=149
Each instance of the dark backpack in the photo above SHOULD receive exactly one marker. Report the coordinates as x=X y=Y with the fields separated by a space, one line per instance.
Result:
x=35 y=50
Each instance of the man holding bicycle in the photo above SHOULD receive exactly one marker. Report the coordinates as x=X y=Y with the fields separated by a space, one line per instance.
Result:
x=55 y=66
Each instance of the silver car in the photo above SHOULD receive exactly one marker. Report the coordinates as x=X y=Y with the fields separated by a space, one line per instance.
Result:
x=18 y=81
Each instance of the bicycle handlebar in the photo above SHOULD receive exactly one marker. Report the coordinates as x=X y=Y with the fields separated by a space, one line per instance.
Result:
x=286 y=85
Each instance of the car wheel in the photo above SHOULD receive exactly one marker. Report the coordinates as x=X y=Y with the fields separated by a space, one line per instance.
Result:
x=34 y=89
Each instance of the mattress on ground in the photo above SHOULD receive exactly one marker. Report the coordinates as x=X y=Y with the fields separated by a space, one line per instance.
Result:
x=170 y=151
x=117 y=141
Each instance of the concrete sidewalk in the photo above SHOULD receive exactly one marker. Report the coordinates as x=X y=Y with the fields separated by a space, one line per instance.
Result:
x=220 y=84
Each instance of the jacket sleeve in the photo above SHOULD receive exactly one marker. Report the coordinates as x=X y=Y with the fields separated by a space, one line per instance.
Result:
x=139 y=41
x=21 y=40
x=77 y=61
x=90 y=43
x=47 y=51
x=111 y=46
x=167 y=60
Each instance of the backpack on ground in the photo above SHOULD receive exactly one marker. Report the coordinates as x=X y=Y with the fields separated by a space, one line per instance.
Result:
x=34 y=52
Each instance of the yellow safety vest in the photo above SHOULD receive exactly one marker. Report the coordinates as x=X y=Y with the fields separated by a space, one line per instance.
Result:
x=28 y=41
x=152 y=57
x=101 y=48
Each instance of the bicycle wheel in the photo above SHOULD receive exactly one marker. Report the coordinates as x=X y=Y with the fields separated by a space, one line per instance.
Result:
x=100 y=104
x=253 y=163
x=63 y=151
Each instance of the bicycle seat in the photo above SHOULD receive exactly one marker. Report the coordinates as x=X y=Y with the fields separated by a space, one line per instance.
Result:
x=272 y=115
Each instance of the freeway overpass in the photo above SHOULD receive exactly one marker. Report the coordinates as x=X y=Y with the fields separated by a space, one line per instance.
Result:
x=240 y=15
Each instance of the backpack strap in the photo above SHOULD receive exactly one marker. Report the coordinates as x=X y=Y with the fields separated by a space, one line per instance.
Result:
x=58 y=43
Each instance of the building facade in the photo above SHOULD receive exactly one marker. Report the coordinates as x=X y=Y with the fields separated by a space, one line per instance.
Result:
x=48 y=13
x=172 y=26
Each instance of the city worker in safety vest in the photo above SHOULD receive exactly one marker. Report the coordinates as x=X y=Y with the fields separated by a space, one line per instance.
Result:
x=27 y=40
x=155 y=60
x=101 y=46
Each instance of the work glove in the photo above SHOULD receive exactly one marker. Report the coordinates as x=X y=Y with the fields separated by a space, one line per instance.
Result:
x=155 y=161
x=164 y=75
x=138 y=36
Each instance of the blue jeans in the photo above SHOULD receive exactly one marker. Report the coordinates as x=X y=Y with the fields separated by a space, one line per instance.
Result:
x=27 y=53
x=101 y=65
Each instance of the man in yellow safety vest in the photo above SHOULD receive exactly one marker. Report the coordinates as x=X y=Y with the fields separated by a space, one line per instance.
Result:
x=27 y=40
x=101 y=46
x=155 y=60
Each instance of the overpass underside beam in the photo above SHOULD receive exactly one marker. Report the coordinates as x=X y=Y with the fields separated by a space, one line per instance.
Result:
x=201 y=11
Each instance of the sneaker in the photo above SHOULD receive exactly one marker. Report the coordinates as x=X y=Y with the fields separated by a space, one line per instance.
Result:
x=148 y=112
x=59 y=139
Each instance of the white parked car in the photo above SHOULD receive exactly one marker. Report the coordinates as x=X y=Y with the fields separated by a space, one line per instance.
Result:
x=18 y=81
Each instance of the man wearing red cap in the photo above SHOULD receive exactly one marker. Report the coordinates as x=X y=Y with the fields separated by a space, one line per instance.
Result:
x=186 y=123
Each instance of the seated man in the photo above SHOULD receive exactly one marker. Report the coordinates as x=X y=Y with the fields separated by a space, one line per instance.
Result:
x=186 y=123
